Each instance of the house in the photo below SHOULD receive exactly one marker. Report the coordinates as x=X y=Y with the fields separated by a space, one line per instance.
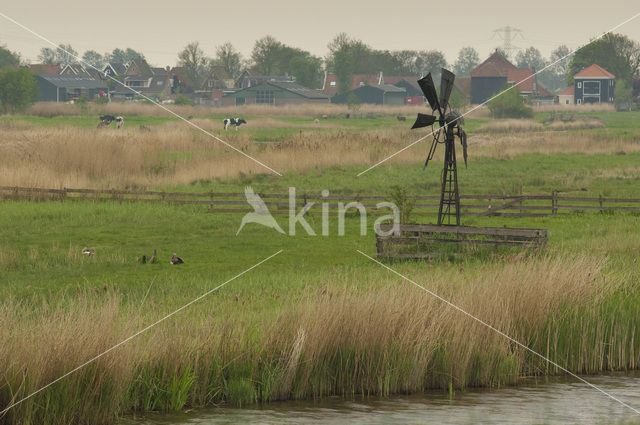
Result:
x=65 y=88
x=381 y=94
x=594 y=84
x=330 y=84
x=249 y=78
x=413 y=92
x=115 y=69
x=488 y=78
x=149 y=81
x=75 y=69
x=567 y=96
x=218 y=78
x=274 y=93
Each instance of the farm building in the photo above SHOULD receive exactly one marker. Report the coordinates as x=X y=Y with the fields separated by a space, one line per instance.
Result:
x=594 y=84
x=566 y=97
x=330 y=84
x=63 y=88
x=490 y=77
x=383 y=94
x=274 y=93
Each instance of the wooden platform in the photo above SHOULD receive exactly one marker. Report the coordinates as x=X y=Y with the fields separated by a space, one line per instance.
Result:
x=421 y=240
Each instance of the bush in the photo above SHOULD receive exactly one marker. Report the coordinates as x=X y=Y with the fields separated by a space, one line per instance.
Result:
x=509 y=104
x=18 y=89
x=183 y=100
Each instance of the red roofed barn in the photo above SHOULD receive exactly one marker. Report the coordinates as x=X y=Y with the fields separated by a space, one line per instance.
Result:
x=594 y=84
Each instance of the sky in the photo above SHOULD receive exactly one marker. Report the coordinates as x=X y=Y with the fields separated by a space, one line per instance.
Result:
x=161 y=29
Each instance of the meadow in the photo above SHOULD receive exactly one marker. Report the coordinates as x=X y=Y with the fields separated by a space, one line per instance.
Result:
x=318 y=319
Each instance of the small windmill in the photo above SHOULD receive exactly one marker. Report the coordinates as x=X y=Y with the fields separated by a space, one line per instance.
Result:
x=449 y=127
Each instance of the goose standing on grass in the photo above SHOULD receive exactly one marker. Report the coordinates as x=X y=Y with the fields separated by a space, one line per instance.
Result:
x=87 y=251
x=152 y=260
x=176 y=260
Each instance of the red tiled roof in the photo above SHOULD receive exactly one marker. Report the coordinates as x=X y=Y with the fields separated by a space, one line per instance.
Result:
x=395 y=79
x=522 y=78
x=496 y=65
x=42 y=69
x=569 y=91
x=594 y=71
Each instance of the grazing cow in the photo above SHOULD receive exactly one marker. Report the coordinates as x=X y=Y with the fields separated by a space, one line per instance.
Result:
x=233 y=121
x=105 y=120
x=119 y=122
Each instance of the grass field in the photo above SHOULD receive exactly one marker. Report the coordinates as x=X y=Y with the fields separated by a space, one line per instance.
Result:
x=318 y=319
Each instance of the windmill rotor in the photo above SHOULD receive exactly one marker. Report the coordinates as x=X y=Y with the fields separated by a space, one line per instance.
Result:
x=449 y=128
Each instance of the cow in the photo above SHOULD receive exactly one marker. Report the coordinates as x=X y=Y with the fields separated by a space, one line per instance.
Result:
x=105 y=120
x=119 y=122
x=233 y=121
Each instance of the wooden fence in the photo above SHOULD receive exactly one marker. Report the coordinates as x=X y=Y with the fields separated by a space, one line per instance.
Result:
x=235 y=202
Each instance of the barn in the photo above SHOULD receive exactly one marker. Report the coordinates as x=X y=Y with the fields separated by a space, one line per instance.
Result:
x=594 y=84
x=383 y=94
x=274 y=93
x=63 y=88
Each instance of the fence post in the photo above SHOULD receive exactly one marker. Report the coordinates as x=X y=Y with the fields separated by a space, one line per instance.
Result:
x=554 y=202
x=600 y=201
x=64 y=193
x=211 y=205
x=521 y=200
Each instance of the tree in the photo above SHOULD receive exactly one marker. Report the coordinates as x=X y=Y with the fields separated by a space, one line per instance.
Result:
x=194 y=61
x=8 y=58
x=62 y=56
x=307 y=70
x=431 y=61
x=509 y=105
x=405 y=62
x=468 y=59
x=531 y=59
x=122 y=56
x=614 y=52
x=18 y=89
x=264 y=55
x=623 y=96
x=343 y=68
x=228 y=57
x=94 y=59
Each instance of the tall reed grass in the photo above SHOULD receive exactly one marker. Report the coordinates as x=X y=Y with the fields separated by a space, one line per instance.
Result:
x=359 y=333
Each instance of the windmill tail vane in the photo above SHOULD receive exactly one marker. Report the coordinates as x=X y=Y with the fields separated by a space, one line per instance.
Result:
x=450 y=126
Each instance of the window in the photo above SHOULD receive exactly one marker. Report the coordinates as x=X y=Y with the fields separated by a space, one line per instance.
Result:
x=591 y=88
x=332 y=84
x=566 y=102
x=579 y=101
x=239 y=100
x=361 y=83
x=579 y=85
x=265 y=96
x=210 y=83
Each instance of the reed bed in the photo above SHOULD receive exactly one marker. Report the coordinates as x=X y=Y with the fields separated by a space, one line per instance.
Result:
x=173 y=154
x=357 y=333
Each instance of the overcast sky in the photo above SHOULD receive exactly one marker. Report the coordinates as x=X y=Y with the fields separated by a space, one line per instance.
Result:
x=161 y=29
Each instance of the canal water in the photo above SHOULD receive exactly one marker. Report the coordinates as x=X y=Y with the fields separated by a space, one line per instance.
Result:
x=549 y=403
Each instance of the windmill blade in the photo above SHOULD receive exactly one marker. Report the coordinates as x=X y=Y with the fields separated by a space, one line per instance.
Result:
x=432 y=150
x=423 y=120
x=446 y=85
x=429 y=90
x=463 y=142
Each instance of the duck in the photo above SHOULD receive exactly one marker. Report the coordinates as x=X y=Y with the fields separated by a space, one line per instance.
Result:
x=87 y=251
x=176 y=260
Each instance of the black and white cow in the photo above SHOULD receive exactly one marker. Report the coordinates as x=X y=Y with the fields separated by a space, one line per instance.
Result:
x=105 y=120
x=119 y=122
x=233 y=121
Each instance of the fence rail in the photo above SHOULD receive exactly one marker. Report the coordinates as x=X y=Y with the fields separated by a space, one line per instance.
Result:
x=235 y=202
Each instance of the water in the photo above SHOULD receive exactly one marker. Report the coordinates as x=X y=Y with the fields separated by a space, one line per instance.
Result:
x=556 y=403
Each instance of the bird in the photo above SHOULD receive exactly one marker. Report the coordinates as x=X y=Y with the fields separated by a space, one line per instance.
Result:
x=87 y=251
x=143 y=259
x=152 y=260
x=176 y=260
x=261 y=214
